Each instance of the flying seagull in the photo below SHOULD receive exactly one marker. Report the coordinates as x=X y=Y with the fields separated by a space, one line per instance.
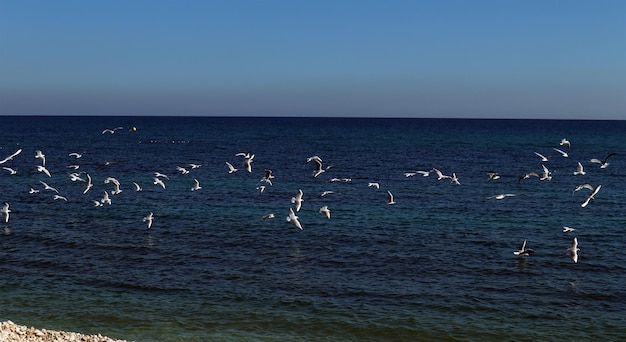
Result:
x=573 y=250
x=294 y=219
x=603 y=163
x=390 y=199
x=523 y=251
x=297 y=200
x=148 y=219
x=591 y=196
x=324 y=210
x=579 y=170
x=11 y=156
x=5 y=211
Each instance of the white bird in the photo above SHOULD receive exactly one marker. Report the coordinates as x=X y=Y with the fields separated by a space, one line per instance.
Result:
x=116 y=185
x=523 y=251
x=106 y=199
x=409 y=174
x=75 y=154
x=501 y=196
x=324 y=210
x=318 y=165
x=591 y=196
x=565 y=142
x=326 y=193
x=247 y=163
x=75 y=177
x=491 y=176
x=5 y=211
x=231 y=168
x=261 y=188
x=268 y=216
x=160 y=175
x=40 y=155
x=390 y=199
x=10 y=170
x=294 y=219
x=96 y=203
x=579 y=170
x=440 y=175
x=158 y=181
x=194 y=166
x=543 y=158
x=88 y=184
x=11 y=156
x=48 y=187
x=603 y=163
x=563 y=153
x=546 y=175
x=44 y=170
x=583 y=186
x=373 y=185
x=573 y=250
x=267 y=178
x=182 y=170
x=75 y=167
x=111 y=131
x=568 y=229
x=297 y=200
x=196 y=185
x=32 y=190
x=137 y=186
x=454 y=179
x=59 y=197
x=424 y=173
x=148 y=219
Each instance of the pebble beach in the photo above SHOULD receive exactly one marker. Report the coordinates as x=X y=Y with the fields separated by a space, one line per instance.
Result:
x=11 y=332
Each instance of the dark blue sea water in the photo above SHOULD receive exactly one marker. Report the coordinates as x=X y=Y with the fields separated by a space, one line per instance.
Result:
x=438 y=265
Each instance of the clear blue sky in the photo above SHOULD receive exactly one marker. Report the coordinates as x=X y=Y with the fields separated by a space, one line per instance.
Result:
x=436 y=58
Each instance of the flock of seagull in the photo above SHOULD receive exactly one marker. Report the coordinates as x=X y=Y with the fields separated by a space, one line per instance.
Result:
x=159 y=179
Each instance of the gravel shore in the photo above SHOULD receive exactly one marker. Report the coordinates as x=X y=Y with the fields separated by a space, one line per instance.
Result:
x=11 y=332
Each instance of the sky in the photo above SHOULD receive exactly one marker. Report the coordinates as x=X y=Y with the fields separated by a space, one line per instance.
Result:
x=344 y=58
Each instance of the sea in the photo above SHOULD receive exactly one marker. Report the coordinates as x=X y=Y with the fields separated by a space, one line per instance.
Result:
x=438 y=265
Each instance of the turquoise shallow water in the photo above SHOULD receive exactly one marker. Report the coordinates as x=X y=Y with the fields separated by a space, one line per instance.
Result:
x=438 y=265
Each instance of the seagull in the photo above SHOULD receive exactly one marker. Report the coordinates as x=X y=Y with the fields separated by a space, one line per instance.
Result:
x=324 y=210
x=454 y=179
x=231 y=168
x=591 y=196
x=106 y=199
x=579 y=170
x=247 y=163
x=268 y=177
x=298 y=200
x=423 y=173
x=32 y=190
x=546 y=175
x=88 y=184
x=194 y=166
x=40 y=155
x=261 y=188
x=182 y=170
x=573 y=250
x=96 y=203
x=48 y=187
x=149 y=219
x=543 y=158
x=565 y=142
x=563 y=153
x=409 y=174
x=159 y=182
x=75 y=167
x=326 y=193
x=44 y=170
x=294 y=219
x=583 y=186
x=491 y=176
x=59 y=197
x=501 y=196
x=568 y=229
x=440 y=175
x=11 y=156
x=116 y=185
x=5 y=211
x=603 y=163
x=11 y=171
x=374 y=185
x=268 y=216
x=528 y=175
x=111 y=131
x=160 y=175
x=137 y=186
x=75 y=177
x=390 y=200
x=523 y=251
x=196 y=185
x=75 y=154
x=318 y=165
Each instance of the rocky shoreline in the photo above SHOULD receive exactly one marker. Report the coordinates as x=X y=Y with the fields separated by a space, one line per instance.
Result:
x=11 y=332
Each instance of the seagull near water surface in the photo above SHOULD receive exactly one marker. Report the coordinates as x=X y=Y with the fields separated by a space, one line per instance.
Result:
x=523 y=251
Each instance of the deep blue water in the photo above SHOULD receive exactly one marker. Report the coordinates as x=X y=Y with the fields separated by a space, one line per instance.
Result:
x=438 y=265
